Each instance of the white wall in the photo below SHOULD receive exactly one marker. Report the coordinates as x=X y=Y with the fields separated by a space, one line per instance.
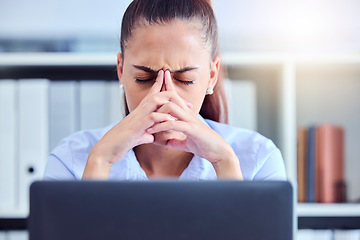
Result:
x=245 y=25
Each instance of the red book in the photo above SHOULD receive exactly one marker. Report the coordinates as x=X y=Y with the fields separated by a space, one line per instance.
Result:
x=329 y=164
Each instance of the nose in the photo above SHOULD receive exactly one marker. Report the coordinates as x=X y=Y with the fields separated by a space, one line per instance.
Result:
x=163 y=88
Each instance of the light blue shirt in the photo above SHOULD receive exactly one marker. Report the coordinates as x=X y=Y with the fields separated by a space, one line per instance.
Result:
x=259 y=158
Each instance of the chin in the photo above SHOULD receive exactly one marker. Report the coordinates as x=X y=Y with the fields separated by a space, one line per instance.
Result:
x=163 y=137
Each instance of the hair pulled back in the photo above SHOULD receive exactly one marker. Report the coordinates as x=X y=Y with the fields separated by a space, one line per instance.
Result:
x=164 y=11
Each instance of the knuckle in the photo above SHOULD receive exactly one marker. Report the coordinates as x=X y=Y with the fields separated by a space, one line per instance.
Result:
x=172 y=105
x=172 y=124
x=153 y=116
x=155 y=99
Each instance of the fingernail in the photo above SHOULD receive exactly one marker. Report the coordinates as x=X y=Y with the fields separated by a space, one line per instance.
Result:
x=173 y=118
x=159 y=72
x=149 y=130
x=189 y=104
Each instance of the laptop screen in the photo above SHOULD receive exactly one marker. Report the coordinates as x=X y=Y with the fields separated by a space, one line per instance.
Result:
x=161 y=210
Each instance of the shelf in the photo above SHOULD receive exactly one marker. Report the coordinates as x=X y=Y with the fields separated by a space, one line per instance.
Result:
x=57 y=59
x=235 y=58
x=9 y=224
x=288 y=88
x=252 y=59
x=238 y=58
x=328 y=210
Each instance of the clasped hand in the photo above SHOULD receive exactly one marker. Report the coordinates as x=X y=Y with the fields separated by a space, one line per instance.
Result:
x=161 y=111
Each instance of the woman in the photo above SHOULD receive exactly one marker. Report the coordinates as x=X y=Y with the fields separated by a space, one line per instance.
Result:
x=168 y=67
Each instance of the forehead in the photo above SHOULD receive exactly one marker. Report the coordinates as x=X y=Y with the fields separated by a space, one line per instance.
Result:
x=176 y=43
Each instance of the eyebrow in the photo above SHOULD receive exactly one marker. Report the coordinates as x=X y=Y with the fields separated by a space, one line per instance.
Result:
x=149 y=70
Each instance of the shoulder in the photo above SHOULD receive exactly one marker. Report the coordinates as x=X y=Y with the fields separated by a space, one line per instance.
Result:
x=82 y=141
x=72 y=152
x=240 y=137
x=258 y=155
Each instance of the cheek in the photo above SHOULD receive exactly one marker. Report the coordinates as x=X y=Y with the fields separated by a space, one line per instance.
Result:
x=134 y=94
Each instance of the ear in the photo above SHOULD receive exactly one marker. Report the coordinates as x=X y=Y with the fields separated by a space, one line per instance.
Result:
x=214 y=72
x=119 y=65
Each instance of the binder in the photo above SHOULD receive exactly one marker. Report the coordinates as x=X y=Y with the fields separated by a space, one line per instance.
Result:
x=2 y=235
x=17 y=235
x=33 y=149
x=346 y=234
x=63 y=112
x=94 y=104
x=311 y=234
x=8 y=143
x=242 y=105
x=116 y=102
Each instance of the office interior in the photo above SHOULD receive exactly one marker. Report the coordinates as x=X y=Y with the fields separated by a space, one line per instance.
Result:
x=289 y=65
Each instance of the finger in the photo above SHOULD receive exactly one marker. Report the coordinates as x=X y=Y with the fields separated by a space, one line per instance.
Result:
x=176 y=111
x=156 y=117
x=189 y=104
x=177 y=144
x=169 y=85
x=158 y=83
x=155 y=89
x=178 y=126
x=174 y=97
x=146 y=138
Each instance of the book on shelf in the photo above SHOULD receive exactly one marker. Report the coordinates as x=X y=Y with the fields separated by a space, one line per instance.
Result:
x=330 y=159
x=320 y=164
x=301 y=164
x=310 y=169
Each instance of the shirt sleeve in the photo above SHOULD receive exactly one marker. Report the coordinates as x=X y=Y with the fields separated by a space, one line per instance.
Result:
x=273 y=167
x=56 y=170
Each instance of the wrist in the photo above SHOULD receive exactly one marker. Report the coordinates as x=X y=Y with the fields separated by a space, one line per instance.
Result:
x=228 y=167
x=97 y=167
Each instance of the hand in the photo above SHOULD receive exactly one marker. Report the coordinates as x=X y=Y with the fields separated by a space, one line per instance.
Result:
x=200 y=138
x=128 y=133
x=131 y=131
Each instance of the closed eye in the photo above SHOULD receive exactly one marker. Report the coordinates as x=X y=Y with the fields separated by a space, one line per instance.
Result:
x=184 y=82
x=143 y=81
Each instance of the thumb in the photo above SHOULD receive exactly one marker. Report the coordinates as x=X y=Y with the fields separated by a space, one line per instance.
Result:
x=146 y=138
x=177 y=144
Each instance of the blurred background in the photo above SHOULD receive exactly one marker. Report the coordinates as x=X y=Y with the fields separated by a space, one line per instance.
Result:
x=331 y=26
x=291 y=66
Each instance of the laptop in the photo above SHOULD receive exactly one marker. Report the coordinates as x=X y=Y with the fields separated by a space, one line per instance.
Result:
x=259 y=210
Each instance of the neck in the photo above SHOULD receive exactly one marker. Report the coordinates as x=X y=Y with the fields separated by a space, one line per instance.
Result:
x=161 y=161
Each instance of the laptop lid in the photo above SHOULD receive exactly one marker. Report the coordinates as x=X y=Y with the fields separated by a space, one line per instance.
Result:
x=161 y=210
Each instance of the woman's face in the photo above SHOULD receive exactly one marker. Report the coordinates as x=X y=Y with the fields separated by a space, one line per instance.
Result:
x=176 y=46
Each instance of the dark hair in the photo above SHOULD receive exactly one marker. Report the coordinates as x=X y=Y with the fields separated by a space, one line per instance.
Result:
x=163 y=11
